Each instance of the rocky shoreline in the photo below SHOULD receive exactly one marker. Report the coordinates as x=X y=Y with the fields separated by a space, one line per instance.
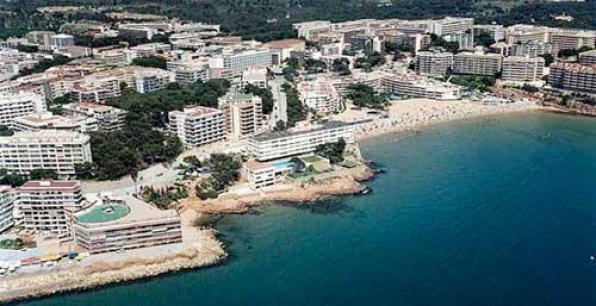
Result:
x=344 y=183
x=206 y=251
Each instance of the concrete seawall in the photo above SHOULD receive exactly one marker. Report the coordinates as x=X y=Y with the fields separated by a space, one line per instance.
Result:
x=207 y=251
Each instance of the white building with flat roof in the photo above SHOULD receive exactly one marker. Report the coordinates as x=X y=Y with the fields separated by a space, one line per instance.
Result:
x=433 y=63
x=415 y=86
x=243 y=114
x=197 y=125
x=47 y=149
x=522 y=69
x=477 y=63
x=43 y=206
x=49 y=121
x=274 y=145
x=108 y=118
x=450 y=25
x=150 y=80
x=265 y=174
x=320 y=96
x=186 y=72
x=6 y=208
x=13 y=105
x=111 y=224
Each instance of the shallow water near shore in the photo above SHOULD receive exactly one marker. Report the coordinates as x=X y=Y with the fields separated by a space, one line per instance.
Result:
x=485 y=212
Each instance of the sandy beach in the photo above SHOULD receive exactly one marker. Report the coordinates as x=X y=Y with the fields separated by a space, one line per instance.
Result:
x=414 y=114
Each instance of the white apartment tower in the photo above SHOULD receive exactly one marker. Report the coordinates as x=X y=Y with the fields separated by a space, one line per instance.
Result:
x=47 y=149
x=243 y=114
x=13 y=105
x=6 y=208
x=522 y=69
x=197 y=125
x=433 y=63
x=477 y=64
x=43 y=206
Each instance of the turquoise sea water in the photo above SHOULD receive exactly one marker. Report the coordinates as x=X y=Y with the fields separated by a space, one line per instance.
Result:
x=492 y=212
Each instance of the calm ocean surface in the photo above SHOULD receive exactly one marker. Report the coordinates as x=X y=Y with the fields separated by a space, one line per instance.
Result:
x=491 y=212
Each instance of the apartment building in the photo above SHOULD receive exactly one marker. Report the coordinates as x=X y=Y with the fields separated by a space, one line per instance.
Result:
x=232 y=63
x=477 y=63
x=14 y=105
x=265 y=174
x=43 y=206
x=450 y=25
x=108 y=118
x=587 y=57
x=62 y=40
x=342 y=83
x=533 y=49
x=111 y=224
x=255 y=77
x=6 y=208
x=47 y=149
x=522 y=69
x=522 y=33
x=572 y=39
x=464 y=40
x=95 y=89
x=197 y=125
x=415 y=86
x=496 y=31
x=49 y=121
x=312 y=30
x=435 y=63
x=243 y=114
x=274 y=145
x=150 y=80
x=187 y=72
x=320 y=96
x=573 y=76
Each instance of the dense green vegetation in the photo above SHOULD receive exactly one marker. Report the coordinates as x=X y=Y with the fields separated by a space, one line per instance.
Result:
x=333 y=151
x=265 y=95
x=369 y=61
x=341 y=66
x=141 y=142
x=269 y=20
x=363 y=95
x=16 y=244
x=45 y=64
x=295 y=109
x=163 y=198
x=11 y=179
x=151 y=61
x=43 y=174
x=437 y=41
x=5 y=131
x=223 y=169
x=477 y=82
x=153 y=107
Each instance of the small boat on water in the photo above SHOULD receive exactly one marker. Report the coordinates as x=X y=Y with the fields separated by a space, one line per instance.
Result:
x=366 y=190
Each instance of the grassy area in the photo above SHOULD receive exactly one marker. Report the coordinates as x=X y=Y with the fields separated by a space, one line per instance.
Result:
x=311 y=159
x=16 y=244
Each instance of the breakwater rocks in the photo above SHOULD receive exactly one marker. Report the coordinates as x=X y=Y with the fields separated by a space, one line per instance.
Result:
x=205 y=251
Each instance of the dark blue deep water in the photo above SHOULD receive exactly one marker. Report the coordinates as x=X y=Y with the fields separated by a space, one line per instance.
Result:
x=490 y=212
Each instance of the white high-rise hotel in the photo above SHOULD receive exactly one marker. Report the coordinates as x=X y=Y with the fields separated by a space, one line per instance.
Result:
x=197 y=125
x=13 y=105
x=43 y=206
x=47 y=149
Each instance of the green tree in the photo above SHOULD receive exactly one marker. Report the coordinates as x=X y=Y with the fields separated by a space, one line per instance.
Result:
x=263 y=93
x=548 y=59
x=5 y=131
x=43 y=174
x=333 y=151
x=151 y=61
x=363 y=95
